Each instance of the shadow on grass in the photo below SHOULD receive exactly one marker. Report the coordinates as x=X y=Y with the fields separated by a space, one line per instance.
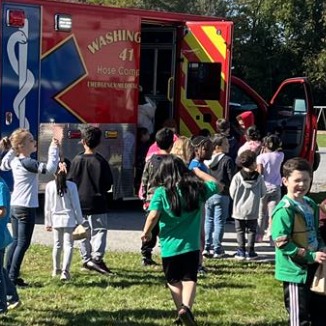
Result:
x=121 y=317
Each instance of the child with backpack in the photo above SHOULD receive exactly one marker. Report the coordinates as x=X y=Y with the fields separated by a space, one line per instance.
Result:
x=164 y=141
x=217 y=207
x=62 y=212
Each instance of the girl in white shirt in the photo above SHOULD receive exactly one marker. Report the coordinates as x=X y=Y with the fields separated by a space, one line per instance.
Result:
x=62 y=212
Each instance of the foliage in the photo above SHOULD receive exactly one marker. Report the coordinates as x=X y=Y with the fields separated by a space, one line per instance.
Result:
x=229 y=295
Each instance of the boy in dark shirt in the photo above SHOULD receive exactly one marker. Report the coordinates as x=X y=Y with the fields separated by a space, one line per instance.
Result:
x=92 y=174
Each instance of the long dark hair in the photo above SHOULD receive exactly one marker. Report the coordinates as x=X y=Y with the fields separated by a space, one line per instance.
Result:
x=184 y=189
x=61 y=178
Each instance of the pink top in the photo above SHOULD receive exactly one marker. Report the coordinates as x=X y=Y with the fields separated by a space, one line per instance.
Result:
x=253 y=145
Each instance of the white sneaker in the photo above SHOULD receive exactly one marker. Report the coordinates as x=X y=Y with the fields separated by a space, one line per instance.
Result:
x=65 y=276
x=206 y=253
x=13 y=305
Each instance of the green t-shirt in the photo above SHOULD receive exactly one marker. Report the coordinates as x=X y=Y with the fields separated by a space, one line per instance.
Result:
x=179 y=234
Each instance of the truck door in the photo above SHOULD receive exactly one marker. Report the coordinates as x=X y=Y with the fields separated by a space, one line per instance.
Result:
x=20 y=68
x=204 y=75
x=291 y=114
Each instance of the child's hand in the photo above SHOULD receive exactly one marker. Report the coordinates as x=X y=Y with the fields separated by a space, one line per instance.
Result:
x=320 y=257
x=54 y=142
x=5 y=144
x=146 y=237
x=48 y=228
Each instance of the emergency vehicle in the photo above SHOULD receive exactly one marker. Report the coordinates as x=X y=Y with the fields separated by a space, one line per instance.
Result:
x=68 y=64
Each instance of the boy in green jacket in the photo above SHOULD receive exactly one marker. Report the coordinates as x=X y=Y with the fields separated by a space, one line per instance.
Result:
x=299 y=247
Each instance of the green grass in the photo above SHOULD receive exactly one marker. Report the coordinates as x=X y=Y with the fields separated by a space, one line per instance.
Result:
x=233 y=293
x=321 y=140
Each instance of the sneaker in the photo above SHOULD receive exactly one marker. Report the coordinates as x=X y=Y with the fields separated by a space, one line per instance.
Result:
x=20 y=282
x=252 y=255
x=56 y=272
x=107 y=270
x=148 y=262
x=202 y=271
x=206 y=253
x=186 y=316
x=240 y=255
x=93 y=265
x=219 y=255
x=65 y=276
x=13 y=304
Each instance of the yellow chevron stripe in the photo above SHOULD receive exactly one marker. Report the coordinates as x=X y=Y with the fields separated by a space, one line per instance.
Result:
x=197 y=48
x=184 y=130
x=217 y=40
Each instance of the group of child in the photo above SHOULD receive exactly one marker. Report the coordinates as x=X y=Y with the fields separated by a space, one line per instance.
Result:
x=78 y=196
x=182 y=184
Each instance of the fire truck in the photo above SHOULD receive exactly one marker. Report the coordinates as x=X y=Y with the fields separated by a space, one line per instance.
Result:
x=68 y=64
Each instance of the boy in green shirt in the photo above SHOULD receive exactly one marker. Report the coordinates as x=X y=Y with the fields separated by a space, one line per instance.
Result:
x=299 y=247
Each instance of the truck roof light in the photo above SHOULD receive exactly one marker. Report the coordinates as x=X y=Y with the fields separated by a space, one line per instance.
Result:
x=63 y=22
x=15 y=18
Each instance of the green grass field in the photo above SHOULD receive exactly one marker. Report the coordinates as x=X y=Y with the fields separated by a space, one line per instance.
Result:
x=233 y=293
x=321 y=140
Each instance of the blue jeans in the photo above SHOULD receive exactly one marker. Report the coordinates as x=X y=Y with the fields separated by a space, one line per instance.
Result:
x=22 y=223
x=8 y=290
x=93 y=247
x=217 y=210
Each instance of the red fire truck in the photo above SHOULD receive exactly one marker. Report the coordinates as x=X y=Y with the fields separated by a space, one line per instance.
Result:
x=66 y=64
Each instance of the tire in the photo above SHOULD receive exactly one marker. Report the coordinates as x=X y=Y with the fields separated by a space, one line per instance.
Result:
x=316 y=159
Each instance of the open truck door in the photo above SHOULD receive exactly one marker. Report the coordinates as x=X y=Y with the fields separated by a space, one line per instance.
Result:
x=204 y=74
x=291 y=113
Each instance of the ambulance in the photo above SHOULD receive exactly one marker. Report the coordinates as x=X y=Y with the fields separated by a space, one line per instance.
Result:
x=66 y=64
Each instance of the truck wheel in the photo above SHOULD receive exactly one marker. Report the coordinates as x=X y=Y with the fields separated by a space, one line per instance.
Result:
x=316 y=159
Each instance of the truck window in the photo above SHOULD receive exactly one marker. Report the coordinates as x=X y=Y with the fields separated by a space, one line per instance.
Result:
x=204 y=81
x=292 y=99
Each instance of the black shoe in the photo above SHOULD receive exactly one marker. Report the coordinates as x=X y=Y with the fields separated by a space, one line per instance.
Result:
x=20 y=282
x=186 y=316
x=103 y=266
x=149 y=262
x=97 y=266
x=177 y=321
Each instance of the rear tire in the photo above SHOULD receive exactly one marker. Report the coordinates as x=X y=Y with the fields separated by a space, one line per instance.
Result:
x=316 y=159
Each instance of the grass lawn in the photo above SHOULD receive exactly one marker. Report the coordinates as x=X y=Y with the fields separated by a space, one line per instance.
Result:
x=233 y=293
x=321 y=140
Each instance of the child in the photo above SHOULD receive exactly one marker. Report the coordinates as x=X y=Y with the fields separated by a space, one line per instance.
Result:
x=92 y=174
x=246 y=189
x=177 y=207
x=143 y=143
x=217 y=207
x=24 y=198
x=203 y=149
x=269 y=166
x=9 y=298
x=253 y=141
x=298 y=245
x=223 y=128
x=62 y=212
x=182 y=148
x=164 y=141
x=322 y=220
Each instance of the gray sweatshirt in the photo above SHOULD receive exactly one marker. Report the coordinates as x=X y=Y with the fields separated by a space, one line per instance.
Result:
x=246 y=196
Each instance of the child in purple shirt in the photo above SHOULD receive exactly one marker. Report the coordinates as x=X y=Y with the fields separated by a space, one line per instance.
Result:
x=269 y=165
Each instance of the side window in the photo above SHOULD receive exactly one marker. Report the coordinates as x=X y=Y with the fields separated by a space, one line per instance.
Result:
x=204 y=81
x=291 y=99
x=240 y=102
